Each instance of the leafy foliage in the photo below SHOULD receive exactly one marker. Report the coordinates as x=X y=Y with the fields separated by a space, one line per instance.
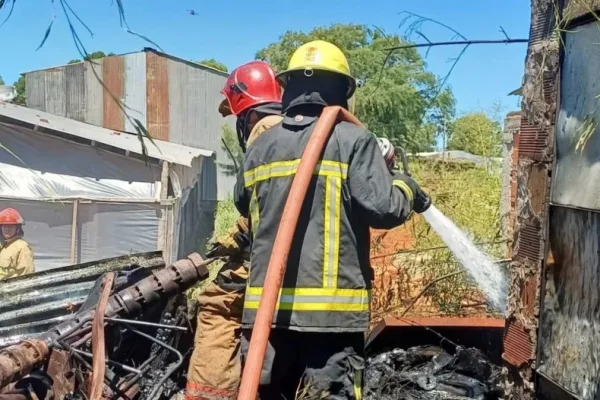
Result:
x=93 y=56
x=398 y=101
x=19 y=85
x=1 y=80
x=213 y=64
x=232 y=147
x=476 y=133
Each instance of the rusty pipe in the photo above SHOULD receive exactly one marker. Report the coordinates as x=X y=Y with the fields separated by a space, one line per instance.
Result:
x=18 y=360
x=281 y=247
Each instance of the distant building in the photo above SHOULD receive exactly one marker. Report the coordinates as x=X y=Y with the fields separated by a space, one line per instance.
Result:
x=176 y=100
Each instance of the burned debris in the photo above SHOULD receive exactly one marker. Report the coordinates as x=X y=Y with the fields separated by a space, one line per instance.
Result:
x=145 y=336
x=429 y=372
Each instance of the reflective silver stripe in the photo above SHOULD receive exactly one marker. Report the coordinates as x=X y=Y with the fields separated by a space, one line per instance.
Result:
x=287 y=168
x=331 y=234
x=254 y=213
x=314 y=299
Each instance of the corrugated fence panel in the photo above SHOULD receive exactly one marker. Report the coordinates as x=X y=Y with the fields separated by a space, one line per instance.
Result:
x=195 y=96
x=75 y=91
x=94 y=110
x=135 y=89
x=30 y=305
x=157 y=92
x=112 y=76
x=55 y=89
x=35 y=89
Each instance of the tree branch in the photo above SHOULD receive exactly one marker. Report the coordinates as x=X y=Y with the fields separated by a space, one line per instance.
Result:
x=462 y=42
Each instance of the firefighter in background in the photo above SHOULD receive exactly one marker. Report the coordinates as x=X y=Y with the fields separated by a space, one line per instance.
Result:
x=316 y=345
x=16 y=256
x=253 y=95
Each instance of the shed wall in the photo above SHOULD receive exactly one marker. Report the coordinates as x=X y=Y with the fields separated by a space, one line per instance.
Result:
x=176 y=100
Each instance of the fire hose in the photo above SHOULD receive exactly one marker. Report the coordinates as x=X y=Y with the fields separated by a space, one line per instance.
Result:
x=18 y=360
x=281 y=247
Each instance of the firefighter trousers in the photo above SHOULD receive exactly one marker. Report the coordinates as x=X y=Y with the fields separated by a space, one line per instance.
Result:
x=215 y=366
x=310 y=365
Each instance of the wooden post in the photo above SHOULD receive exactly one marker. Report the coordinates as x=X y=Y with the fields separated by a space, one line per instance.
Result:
x=74 y=232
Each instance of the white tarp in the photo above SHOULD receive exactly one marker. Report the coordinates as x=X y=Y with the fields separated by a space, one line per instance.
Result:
x=116 y=218
x=35 y=166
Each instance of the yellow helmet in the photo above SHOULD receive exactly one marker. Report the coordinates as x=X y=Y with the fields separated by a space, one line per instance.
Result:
x=319 y=55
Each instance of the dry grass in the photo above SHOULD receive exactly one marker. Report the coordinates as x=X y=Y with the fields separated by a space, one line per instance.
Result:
x=470 y=196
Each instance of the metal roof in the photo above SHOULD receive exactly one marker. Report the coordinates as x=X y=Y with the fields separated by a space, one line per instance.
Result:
x=32 y=304
x=145 y=50
x=57 y=125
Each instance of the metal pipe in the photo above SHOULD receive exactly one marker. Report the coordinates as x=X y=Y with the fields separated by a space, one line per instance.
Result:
x=144 y=323
x=132 y=300
x=110 y=362
x=281 y=247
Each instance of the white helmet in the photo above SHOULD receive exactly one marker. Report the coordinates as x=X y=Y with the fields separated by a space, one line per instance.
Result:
x=387 y=150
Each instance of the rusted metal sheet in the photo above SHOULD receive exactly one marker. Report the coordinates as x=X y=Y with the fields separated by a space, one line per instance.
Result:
x=94 y=93
x=542 y=21
x=533 y=140
x=518 y=349
x=157 y=92
x=536 y=152
x=135 y=89
x=578 y=130
x=194 y=95
x=579 y=9
x=55 y=89
x=98 y=340
x=114 y=91
x=61 y=371
x=570 y=321
x=75 y=91
x=32 y=304
x=35 y=89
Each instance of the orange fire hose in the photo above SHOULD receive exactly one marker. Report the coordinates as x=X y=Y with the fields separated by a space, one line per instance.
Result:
x=281 y=248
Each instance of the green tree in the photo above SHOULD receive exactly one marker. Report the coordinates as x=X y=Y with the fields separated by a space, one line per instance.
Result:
x=1 y=80
x=92 y=56
x=476 y=133
x=212 y=63
x=21 y=93
x=398 y=101
x=232 y=147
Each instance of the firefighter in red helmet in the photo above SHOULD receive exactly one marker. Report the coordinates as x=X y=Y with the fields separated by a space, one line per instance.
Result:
x=253 y=96
x=16 y=257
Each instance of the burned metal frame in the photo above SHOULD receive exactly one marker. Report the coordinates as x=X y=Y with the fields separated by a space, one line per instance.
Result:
x=18 y=360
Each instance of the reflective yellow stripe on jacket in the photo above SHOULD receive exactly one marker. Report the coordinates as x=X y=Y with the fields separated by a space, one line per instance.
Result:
x=329 y=297
x=314 y=299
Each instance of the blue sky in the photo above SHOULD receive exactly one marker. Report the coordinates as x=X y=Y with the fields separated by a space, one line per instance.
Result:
x=232 y=31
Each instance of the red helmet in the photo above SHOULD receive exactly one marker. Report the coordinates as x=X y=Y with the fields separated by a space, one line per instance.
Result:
x=249 y=85
x=10 y=216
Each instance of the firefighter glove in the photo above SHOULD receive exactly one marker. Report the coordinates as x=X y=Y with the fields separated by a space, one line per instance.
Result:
x=419 y=200
x=233 y=243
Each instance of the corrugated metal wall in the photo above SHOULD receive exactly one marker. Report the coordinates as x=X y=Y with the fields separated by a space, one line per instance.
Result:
x=135 y=88
x=176 y=100
x=195 y=96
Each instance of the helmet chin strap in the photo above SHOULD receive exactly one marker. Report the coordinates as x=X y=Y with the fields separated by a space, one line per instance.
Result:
x=241 y=127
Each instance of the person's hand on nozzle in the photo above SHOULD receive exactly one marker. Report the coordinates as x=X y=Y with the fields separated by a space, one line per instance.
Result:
x=420 y=200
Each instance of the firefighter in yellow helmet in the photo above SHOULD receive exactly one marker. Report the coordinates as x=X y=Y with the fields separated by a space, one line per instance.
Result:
x=323 y=310
x=253 y=96
x=16 y=256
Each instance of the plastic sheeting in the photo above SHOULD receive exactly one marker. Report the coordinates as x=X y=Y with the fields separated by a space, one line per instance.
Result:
x=43 y=167
x=103 y=230
x=44 y=174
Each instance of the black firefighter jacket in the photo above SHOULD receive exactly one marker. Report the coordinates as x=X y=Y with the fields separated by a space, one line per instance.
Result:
x=327 y=284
